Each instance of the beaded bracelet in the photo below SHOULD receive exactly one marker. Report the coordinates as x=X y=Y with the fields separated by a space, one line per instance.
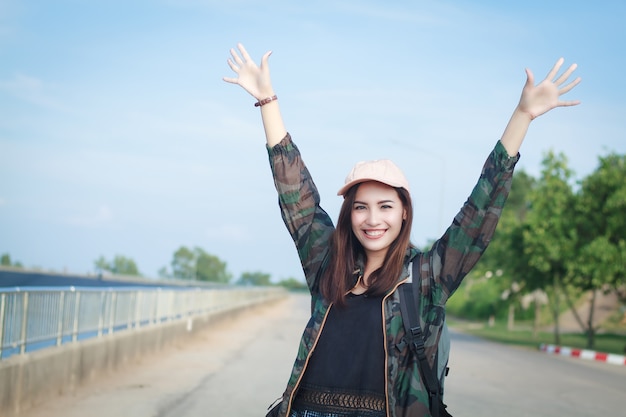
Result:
x=265 y=101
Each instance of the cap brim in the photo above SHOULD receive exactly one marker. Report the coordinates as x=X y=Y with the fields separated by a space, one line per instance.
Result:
x=343 y=190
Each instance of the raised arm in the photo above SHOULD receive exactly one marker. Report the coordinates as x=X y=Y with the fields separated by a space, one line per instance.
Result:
x=535 y=101
x=256 y=81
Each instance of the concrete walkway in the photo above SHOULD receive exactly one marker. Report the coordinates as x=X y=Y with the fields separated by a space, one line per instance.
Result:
x=219 y=373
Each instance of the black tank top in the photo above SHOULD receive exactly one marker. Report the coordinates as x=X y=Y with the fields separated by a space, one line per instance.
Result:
x=347 y=368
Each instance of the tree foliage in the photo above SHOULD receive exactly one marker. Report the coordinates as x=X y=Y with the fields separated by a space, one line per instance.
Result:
x=5 y=260
x=601 y=234
x=255 y=278
x=184 y=264
x=120 y=265
x=197 y=264
x=601 y=225
x=211 y=268
x=293 y=284
x=547 y=234
x=557 y=240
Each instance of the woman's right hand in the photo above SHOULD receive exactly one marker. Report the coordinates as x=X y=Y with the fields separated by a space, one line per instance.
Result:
x=252 y=78
x=256 y=81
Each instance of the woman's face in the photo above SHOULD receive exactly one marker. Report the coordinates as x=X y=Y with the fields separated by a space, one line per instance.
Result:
x=377 y=215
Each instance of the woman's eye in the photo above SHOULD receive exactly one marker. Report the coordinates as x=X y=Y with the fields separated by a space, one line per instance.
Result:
x=359 y=207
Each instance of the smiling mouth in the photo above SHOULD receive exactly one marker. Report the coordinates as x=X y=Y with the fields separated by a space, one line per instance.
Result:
x=374 y=233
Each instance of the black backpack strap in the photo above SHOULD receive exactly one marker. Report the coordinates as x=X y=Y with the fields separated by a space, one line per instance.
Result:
x=409 y=307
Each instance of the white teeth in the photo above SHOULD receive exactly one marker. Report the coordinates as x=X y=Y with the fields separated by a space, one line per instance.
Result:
x=374 y=232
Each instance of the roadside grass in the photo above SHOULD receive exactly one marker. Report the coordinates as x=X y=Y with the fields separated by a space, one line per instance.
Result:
x=522 y=335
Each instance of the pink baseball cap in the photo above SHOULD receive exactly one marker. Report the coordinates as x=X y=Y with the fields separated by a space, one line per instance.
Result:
x=382 y=170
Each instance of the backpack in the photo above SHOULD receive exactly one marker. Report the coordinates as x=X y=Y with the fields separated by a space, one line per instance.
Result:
x=433 y=378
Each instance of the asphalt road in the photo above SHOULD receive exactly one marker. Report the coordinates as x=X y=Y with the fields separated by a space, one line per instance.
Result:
x=239 y=366
x=489 y=379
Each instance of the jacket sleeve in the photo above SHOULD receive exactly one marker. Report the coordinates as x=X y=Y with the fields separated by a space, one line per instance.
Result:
x=308 y=224
x=455 y=254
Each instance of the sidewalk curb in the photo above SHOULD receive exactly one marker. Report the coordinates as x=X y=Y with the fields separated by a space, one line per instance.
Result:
x=584 y=354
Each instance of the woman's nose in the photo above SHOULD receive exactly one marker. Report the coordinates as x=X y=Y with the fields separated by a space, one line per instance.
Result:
x=372 y=217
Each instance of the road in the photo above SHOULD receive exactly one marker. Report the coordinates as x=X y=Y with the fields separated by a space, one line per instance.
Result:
x=490 y=379
x=239 y=366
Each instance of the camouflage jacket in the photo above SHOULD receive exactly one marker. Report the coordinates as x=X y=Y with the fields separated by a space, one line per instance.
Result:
x=442 y=268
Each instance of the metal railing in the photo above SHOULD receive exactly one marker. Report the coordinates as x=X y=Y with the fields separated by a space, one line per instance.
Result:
x=35 y=318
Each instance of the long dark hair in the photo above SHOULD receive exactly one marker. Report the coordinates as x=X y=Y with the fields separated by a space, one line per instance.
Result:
x=339 y=277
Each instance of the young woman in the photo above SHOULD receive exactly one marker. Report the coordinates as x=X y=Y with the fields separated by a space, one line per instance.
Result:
x=351 y=360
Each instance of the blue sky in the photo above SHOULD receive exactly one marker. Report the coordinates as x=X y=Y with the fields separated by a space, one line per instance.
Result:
x=118 y=135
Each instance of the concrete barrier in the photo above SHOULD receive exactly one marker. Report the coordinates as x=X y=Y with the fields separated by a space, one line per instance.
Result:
x=30 y=379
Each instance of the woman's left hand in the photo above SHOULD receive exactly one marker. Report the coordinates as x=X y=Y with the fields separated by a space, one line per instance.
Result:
x=543 y=97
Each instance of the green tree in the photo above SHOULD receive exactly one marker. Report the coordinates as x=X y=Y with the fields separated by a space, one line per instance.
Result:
x=199 y=265
x=293 y=284
x=101 y=264
x=184 y=264
x=548 y=230
x=5 y=260
x=210 y=268
x=257 y=278
x=120 y=265
x=601 y=231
